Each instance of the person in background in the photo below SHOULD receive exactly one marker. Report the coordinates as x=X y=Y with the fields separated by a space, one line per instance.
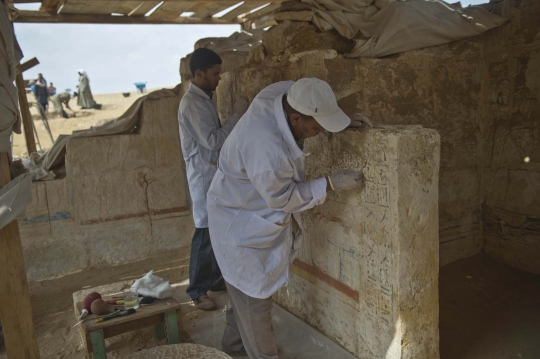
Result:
x=41 y=93
x=58 y=100
x=201 y=137
x=85 y=99
x=51 y=89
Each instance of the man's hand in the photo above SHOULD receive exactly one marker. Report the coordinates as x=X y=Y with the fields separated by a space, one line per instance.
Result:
x=346 y=180
x=359 y=121
x=240 y=106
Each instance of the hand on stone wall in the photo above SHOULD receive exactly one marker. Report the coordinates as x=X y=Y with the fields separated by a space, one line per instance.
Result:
x=241 y=104
x=358 y=121
x=346 y=180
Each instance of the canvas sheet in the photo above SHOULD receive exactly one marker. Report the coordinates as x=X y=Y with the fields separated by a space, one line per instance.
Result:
x=386 y=27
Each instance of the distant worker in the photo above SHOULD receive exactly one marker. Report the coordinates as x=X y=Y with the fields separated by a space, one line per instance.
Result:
x=58 y=100
x=258 y=187
x=51 y=89
x=41 y=93
x=85 y=100
x=202 y=136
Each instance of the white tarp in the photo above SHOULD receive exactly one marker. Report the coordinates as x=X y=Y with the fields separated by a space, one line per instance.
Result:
x=14 y=198
x=386 y=27
x=41 y=167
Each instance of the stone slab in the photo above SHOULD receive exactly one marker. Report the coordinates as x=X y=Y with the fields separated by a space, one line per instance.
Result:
x=371 y=255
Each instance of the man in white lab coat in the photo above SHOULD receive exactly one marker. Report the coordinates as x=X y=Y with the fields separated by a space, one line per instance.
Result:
x=258 y=186
x=202 y=136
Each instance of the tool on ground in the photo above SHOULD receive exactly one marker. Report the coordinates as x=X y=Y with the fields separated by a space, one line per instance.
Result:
x=116 y=302
x=87 y=302
x=93 y=318
x=100 y=307
x=121 y=313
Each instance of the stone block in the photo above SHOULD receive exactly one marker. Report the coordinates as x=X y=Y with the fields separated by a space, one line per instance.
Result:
x=368 y=274
x=47 y=260
x=110 y=196
x=171 y=232
x=247 y=81
x=166 y=191
x=294 y=6
x=36 y=223
x=293 y=16
x=295 y=36
x=117 y=242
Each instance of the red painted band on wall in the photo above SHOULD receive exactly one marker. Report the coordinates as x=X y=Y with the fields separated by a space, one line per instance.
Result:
x=317 y=273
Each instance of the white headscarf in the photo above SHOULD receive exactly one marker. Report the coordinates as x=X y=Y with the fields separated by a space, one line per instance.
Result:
x=84 y=73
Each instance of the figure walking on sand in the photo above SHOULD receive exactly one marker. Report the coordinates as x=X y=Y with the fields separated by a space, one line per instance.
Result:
x=85 y=99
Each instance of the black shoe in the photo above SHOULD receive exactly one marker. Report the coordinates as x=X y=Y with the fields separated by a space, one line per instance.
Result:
x=241 y=353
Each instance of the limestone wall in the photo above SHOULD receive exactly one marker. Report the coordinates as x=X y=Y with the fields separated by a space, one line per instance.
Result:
x=480 y=94
x=367 y=275
x=511 y=131
x=437 y=88
x=124 y=199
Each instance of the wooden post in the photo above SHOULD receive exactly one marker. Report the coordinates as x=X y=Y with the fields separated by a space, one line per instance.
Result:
x=25 y=113
x=15 y=306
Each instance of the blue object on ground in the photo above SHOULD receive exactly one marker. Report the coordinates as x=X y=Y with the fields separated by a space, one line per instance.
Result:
x=141 y=86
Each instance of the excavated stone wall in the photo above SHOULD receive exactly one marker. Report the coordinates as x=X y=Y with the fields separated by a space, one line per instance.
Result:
x=367 y=275
x=480 y=94
x=437 y=88
x=124 y=199
x=511 y=134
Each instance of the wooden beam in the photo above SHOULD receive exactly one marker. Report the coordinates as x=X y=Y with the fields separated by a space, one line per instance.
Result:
x=44 y=17
x=203 y=10
x=25 y=113
x=265 y=10
x=29 y=64
x=51 y=6
x=15 y=305
x=242 y=9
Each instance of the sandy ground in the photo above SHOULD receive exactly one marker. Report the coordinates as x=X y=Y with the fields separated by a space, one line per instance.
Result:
x=114 y=105
x=52 y=306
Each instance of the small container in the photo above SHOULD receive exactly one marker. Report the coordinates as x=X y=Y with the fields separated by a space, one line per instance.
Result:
x=131 y=298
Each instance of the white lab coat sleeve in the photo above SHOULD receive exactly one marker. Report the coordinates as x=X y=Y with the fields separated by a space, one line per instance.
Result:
x=282 y=193
x=200 y=124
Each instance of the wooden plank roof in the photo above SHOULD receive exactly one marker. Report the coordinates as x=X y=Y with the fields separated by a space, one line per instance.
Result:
x=246 y=12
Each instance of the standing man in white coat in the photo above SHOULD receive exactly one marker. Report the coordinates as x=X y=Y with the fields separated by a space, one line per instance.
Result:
x=202 y=136
x=258 y=186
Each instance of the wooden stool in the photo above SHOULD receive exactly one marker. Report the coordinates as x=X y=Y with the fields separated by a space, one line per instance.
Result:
x=162 y=314
x=180 y=351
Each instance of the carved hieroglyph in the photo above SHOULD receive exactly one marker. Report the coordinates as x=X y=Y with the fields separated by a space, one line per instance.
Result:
x=367 y=273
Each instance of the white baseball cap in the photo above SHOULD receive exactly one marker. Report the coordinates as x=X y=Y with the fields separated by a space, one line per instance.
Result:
x=315 y=98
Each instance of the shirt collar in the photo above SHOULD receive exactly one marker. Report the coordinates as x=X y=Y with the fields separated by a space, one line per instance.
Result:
x=200 y=91
x=296 y=152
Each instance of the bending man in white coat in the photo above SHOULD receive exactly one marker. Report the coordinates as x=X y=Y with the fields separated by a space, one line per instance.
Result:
x=202 y=136
x=258 y=185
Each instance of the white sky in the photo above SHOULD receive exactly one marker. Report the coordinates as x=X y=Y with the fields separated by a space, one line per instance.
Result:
x=114 y=56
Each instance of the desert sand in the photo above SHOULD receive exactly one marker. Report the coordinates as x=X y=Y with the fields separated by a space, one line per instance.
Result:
x=114 y=105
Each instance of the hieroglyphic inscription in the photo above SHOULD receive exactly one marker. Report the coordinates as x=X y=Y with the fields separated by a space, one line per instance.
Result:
x=378 y=234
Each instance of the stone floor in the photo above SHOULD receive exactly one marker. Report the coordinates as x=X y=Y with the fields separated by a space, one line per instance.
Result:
x=488 y=310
